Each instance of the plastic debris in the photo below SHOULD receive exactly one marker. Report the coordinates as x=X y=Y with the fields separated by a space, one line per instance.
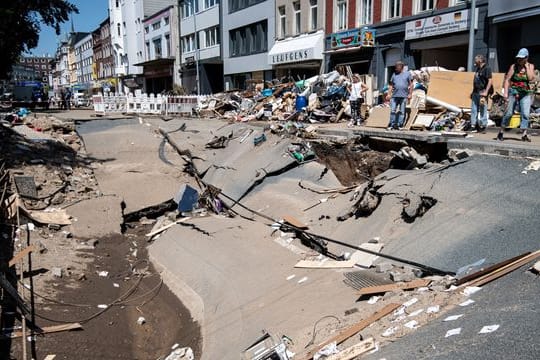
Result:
x=410 y=302
x=185 y=353
x=413 y=324
x=467 y=302
x=103 y=273
x=328 y=350
x=141 y=320
x=304 y=279
x=102 y=306
x=416 y=313
x=372 y=300
x=453 y=317
x=535 y=165
x=433 y=309
x=453 y=332
x=116 y=285
x=489 y=329
x=390 y=331
x=290 y=277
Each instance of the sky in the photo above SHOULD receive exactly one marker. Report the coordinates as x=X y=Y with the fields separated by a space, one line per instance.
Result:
x=91 y=14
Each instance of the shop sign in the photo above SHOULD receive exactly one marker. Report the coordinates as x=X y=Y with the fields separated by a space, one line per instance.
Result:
x=356 y=37
x=291 y=56
x=437 y=25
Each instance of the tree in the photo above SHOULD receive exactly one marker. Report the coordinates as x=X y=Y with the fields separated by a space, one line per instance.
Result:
x=20 y=23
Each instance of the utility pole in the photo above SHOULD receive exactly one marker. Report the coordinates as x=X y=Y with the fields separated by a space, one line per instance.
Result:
x=196 y=47
x=472 y=17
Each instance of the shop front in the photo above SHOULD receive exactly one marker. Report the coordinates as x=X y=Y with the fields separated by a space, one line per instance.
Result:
x=353 y=48
x=440 y=40
x=299 y=57
x=158 y=75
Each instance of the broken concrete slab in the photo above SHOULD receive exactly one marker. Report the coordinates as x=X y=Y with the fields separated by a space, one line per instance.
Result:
x=104 y=219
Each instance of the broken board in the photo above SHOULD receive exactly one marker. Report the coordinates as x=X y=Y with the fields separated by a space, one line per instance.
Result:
x=379 y=117
x=58 y=217
x=48 y=329
x=27 y=250
x=392 y=287
x=291 y=220
x=354 y=351
x=455 y=87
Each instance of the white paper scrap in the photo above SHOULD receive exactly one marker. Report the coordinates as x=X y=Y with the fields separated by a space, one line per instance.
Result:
x=290 y=277
x=304 y=279
x=372 y=300
x=416 y=313
x=433 y=309
x=390 y=331
x=102 y=306
x=489 y=329
x=467 y=302
x=469 y=290
x=410 y=302
x=452 y=332
x=453 y=317
x=413 y=324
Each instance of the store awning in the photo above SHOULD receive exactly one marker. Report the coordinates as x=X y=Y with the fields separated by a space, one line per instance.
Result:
x=157 y=62
x=301 y=48
x=447 y=41
x=516 y=15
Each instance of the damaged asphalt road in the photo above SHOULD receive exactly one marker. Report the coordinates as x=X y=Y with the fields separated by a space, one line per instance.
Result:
x=235 y=280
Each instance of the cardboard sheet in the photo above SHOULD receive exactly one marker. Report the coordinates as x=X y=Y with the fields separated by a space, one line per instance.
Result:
x=379 y=117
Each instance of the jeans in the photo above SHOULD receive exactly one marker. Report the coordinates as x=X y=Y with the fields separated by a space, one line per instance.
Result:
x=525 y=102
x=475 y=107
x=355 y=110
x=396 y=102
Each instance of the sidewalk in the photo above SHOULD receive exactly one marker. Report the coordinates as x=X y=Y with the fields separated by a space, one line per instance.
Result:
x=485 y=143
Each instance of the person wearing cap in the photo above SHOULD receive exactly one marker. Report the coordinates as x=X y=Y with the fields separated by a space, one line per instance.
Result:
x=356 y=98
x=399 y=91
x=518 y=89
x=482 y=88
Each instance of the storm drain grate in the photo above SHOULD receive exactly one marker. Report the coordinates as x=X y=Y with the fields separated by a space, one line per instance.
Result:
x=361 y=279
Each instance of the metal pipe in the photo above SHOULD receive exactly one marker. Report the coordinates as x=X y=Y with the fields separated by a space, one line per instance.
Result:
x=445 y=105
x=472 y=16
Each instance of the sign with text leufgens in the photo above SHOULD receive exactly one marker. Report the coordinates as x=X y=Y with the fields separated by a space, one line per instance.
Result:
x=291 y=56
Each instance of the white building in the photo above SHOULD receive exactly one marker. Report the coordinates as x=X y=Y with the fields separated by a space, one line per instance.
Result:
x=248 y=34
x=161 y=51
x=84 y=59
x=61 y=74
x=201 y=45
x=126 y=24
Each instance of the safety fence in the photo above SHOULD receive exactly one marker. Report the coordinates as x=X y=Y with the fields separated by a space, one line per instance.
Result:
x=146 y=104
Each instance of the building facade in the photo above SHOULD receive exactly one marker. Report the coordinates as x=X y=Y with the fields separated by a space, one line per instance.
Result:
x=103 y=67
x=298 y=51
x=162 y=61
x=37 y=67
x=60 y=63
x=201 y=45
x=248 y=33
x=127 y=37
x=84 y=60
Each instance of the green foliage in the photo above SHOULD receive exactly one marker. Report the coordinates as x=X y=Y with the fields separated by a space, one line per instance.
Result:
x=20 y=23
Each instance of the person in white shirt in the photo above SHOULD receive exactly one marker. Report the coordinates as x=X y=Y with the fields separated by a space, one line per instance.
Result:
x=357 y=89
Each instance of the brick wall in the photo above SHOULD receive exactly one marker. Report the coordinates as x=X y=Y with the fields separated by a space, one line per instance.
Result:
x=406 y=8
x=351 y=10
x=377 y=11
x=329 y=16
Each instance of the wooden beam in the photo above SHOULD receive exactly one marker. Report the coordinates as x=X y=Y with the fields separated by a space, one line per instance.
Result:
x=27 y=250
x=353 y=330
x=489 y=269
x=294 y=222
x=163 y=228
x=392 y=287
x=354 y=351
x=49 y=329
x=504 y=270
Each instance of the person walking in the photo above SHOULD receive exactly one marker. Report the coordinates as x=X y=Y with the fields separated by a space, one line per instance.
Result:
x=399 y=91
x=482 y=88
x=357 y=90
x=68 y=99
x=518 y=89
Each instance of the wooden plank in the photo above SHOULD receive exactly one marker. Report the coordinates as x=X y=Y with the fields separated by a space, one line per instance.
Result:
x=379 y=117
x=49 y=329
x=392 y=287
x=411 y=118
x=50 y=357
x=353 y=330
x=354 y=351
x=27 y=250
x=504 y=270
x=489 y=269
x=163 y=228
x=294 y=222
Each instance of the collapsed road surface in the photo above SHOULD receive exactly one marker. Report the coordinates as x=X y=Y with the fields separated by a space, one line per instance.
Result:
x=237 y=275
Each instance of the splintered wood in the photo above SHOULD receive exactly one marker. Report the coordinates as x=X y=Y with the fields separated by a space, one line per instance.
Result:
x=392 y=287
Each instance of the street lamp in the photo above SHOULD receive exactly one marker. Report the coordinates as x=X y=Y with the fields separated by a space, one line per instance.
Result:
x=470 y=54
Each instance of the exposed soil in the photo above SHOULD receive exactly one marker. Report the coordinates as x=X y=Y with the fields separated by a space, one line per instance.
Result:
x=115 y=334
x=351 y=163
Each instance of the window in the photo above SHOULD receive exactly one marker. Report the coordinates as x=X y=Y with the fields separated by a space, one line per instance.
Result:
x=118 y=28
x=147 y=47
x=210 y=3
x=168 y=44
x=423 y=5
x=166 y=20
x=146 y=29
x=211 y=37
x=156 y=25
x=157 y=47
x=391 y=9
x=313 y=14
x=341 y=21
x=188 y=43
x=117 y=3
x=282 y=21
x=188 y=6
x=236 y=5
x=297 y=20
x=365 y=12
x=250 y=39
x=457 y=2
